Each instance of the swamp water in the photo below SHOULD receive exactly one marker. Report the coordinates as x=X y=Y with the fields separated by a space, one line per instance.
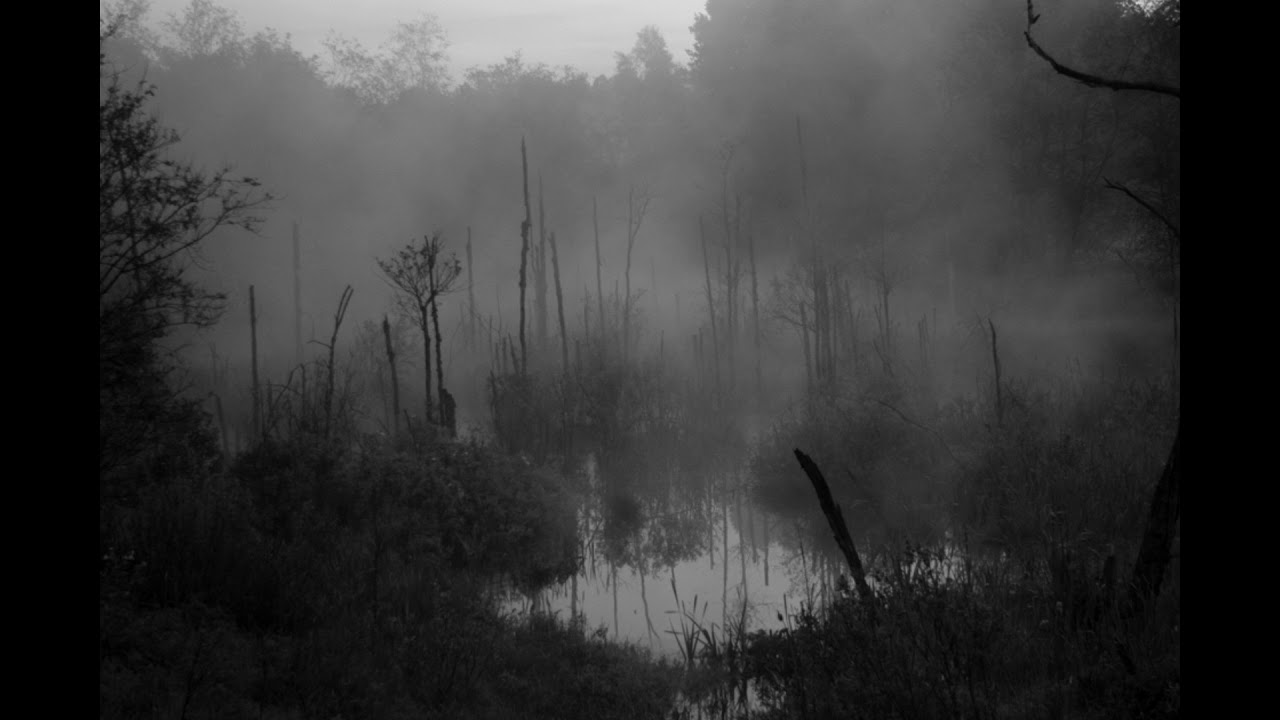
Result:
x=652 y=572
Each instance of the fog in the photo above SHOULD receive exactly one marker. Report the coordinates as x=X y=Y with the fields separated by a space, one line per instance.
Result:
x=887 y=232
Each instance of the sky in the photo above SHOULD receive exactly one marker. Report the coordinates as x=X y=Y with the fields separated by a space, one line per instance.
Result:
x=582 y=33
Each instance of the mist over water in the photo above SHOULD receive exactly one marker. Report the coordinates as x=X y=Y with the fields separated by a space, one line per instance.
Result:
x=532 y=353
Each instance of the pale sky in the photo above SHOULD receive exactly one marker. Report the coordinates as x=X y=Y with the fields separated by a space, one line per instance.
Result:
x=582 y=33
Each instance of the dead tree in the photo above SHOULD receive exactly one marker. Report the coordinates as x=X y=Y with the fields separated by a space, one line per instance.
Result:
x=755 y=310
x=808 y=360
x=564 y=331
x=471 y=295
x=418 y=275
x=636 y=209
x=343 y=302
x=540 y=275
x=995 y=361
x=525 y=227
x=711 y=306
x=595 y=223
x=395 y=381
x=253 y=360
x=835 y=518
x=297 y=296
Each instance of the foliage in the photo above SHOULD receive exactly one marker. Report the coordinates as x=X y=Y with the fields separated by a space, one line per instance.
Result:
x=953 y=637
x=154 y=213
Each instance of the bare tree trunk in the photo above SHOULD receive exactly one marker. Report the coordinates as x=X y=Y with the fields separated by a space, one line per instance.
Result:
x=425 y=327
x=626 y=303
x=471 y=296
x=435 y=321
x=728 y=276
x=540 y=273
x=395 y=382
x=765 y=518
x=595 y=222
x=297 y=296
x=636 y=209
x=742 y=548
x=995 y=359
x=887 y=328
x=255 y=398
x=755 y=311
x=653 y=286
x=343 y=301
x=525 y=228
x=835 y=518
x=724 y=526
x=711 y=307
x=804 y=333
x=564 y=331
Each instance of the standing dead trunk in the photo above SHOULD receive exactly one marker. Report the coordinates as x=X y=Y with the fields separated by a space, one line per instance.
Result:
x=765 y=518
x=297 y=296
x=525 y=227
x=724 y=520
x=711 y=307
x=395 y=382
x=595 y=223
x=755 y=312
x=995 y=359
x=471 y=296
x=564 y=331
x=343 y=302
x=730 y=320
x=804 y=334
x=540 y=274
x=424 y=326
x=742 y=548
x=255 y=398
x=626 y=303
x=435 y=321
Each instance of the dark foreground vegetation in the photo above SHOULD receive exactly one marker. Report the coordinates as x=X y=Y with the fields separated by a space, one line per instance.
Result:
x=325 y=538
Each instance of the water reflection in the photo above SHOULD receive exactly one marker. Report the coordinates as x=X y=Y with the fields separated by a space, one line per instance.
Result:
x=658 y=557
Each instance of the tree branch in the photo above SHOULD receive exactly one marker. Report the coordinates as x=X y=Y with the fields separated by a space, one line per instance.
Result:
x=1149 y=207
x=1094 y=81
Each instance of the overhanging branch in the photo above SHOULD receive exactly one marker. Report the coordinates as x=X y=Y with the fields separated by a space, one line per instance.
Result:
x=1094 y=81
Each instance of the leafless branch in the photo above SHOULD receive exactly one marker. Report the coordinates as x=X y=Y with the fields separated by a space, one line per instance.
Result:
x=1094 y=81
x=1148 y=206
